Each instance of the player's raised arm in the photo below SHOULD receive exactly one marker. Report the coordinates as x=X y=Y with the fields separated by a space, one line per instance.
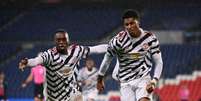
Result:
x=30 y=62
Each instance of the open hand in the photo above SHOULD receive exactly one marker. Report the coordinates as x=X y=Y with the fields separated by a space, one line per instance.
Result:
x=150 y=88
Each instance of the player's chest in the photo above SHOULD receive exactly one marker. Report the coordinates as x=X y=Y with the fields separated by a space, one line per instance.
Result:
x=65 y=60
x=137 y=50
x=66 y=65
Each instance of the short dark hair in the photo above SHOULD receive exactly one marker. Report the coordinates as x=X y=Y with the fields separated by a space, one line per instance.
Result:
x=130 y=13
x=60 y=31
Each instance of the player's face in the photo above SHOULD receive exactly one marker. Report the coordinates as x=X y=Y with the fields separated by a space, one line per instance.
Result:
x=89 y=64
x=61 y=42
x=132 y=25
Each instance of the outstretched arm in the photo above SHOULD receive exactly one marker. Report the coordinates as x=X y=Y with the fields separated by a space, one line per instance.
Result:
x=98 y=49
x=30 y=62
x=35 y=61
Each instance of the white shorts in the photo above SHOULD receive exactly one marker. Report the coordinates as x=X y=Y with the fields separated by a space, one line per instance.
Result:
x=134 y=90
x=72 y=97
x=91 y=94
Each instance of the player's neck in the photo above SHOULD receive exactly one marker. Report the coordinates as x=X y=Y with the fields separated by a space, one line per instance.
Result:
x=137 y=34
x=89 y=70
x=64 y=52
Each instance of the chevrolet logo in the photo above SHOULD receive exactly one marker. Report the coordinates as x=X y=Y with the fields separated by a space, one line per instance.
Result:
x=66 y=71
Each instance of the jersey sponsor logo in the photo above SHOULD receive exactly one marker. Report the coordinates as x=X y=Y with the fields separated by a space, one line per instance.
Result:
x=65 y=71
x=135 y=56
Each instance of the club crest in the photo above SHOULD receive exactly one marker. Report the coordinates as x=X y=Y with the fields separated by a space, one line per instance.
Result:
x=145 y=46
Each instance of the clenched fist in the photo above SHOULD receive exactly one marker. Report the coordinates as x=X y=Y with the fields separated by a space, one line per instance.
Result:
x=23 y=64
x=100 y=84
x=151 y=86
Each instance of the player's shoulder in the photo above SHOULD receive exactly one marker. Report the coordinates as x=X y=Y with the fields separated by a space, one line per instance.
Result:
x=150 y=33
x=75 y=46
x=120 y=35
x=51 y=50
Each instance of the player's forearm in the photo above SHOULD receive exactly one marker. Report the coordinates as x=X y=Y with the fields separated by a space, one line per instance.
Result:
x=35 y=61
x=158 y=65
x=98 y=49
x=115 y=71
x=29 y=79
x=105 y=64
x=27 y=82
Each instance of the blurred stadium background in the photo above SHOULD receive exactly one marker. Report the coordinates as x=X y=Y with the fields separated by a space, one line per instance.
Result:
x=27 y=26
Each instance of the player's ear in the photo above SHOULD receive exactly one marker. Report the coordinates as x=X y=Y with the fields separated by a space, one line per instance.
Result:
x=55 y=36
x=55 y=39
x=137 y=21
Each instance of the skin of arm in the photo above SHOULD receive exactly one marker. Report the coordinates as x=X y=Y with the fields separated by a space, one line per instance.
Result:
x=28 y=80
